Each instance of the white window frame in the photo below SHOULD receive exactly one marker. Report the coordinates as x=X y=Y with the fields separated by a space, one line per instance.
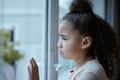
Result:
x=53 y=9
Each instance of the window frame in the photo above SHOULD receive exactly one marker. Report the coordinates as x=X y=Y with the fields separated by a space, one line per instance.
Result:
x=53 y=9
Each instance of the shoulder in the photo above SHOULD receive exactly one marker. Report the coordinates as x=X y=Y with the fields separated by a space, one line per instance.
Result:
x=93 y=66
x=86 y=76
x=92 y=70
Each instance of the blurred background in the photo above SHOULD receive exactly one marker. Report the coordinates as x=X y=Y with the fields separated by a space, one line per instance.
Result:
x=28 y=28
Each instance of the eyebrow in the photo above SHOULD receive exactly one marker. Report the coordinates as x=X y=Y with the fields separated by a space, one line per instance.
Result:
x=63 y=35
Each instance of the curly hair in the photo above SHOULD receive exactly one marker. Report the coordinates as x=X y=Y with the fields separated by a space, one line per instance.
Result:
x=105 y=45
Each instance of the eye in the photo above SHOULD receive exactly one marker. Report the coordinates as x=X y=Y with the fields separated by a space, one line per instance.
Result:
x=64 y=38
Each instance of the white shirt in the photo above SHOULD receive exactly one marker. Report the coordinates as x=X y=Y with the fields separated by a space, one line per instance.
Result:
x=91 y=70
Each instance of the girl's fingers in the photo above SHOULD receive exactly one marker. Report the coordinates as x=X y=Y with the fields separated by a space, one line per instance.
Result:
x=29 y=73
x=34 y=62
x=34 y=70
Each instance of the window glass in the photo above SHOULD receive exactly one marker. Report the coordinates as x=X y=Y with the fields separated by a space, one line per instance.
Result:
x=27 y=19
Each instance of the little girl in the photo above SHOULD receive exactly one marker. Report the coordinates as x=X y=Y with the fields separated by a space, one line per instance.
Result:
x=89 y=41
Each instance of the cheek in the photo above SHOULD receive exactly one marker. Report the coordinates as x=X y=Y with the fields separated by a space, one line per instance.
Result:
x=71 y=48
x=74 y=48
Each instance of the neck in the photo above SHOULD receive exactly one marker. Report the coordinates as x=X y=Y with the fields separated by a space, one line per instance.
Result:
x=79 y=62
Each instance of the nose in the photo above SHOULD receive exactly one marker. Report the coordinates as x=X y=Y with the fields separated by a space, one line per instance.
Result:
x=59 y=44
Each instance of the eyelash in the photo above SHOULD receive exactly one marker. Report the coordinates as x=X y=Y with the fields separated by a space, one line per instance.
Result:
x=64 y=38
x=61 y=37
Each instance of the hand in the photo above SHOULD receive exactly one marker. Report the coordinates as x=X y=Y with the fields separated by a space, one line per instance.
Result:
x=34 y=71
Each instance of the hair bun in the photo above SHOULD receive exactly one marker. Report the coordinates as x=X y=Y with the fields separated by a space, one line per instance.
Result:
x=81 y=6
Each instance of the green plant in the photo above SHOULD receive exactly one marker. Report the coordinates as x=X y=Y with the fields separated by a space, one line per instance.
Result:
x=9 y=52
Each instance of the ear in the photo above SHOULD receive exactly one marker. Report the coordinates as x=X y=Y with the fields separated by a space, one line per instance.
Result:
x=86 y=42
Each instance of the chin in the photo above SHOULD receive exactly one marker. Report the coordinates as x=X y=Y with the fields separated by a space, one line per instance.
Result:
x=65 y=57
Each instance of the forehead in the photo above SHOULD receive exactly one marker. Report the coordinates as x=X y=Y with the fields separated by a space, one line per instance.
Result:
x=65 y=27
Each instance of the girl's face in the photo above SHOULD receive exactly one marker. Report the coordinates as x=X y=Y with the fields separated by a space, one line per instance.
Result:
x=69 y=45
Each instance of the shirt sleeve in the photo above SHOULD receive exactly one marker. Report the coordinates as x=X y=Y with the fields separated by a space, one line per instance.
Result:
x=86 y=76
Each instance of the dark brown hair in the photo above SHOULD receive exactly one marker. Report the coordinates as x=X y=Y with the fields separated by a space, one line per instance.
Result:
x=105 y=45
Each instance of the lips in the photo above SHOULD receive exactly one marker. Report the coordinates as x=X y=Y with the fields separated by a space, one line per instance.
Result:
x=60 y=52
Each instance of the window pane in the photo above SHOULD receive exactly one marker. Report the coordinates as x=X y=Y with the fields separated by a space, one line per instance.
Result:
x=27 y=18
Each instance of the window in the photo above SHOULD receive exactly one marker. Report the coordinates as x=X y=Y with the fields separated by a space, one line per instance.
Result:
x=35 y=24
x=28 y=18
